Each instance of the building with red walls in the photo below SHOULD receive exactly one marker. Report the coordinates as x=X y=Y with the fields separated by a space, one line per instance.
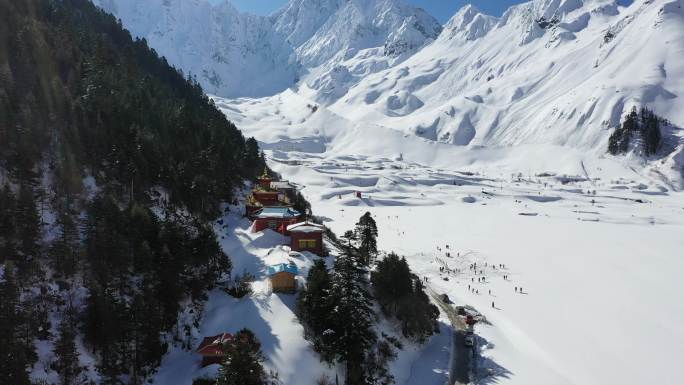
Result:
x=275 y=218
x=306 y=236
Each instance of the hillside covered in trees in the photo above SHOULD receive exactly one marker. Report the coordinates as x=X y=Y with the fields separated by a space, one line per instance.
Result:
x=640 y=131
x=112 y=163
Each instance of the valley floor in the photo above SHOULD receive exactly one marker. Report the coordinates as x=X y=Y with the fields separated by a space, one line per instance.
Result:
x=591 y=244
x=600 y=274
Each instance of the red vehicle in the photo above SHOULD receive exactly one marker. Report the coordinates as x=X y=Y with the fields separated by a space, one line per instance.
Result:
x=470 y=320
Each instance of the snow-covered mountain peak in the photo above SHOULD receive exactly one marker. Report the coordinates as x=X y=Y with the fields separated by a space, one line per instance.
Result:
x=469 y=24
x=360 y=24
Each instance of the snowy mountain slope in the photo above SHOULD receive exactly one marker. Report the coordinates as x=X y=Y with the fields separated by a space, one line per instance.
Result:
x=514 y=82
x=547 y=71
x=235 y=54
x=361 y=24
x=230 y=53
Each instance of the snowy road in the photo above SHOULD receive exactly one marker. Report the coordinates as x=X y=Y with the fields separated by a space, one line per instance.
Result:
x=459 y=369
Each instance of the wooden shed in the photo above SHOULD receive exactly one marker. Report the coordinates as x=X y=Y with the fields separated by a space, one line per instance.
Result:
x=282 y=277
x=306 y=236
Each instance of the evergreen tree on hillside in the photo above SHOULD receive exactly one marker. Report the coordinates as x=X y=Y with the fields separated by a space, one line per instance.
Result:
x=16 y=356
x=392 y=280
x=367 y=232
x=350 y=334
x=66 y=245
x=644 y=125
x=67 y=364
x=351 y=238
x=400 y=294
x=314 y=304
x=243 y=361
x=7 y=224
x=28 y=225
x=650 y=124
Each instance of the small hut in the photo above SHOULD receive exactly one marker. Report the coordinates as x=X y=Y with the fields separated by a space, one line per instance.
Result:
x=282 y=277
x=306 y=236
x=212 y=348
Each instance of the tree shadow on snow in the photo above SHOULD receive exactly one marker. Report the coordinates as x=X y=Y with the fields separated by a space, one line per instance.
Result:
x=485 y=370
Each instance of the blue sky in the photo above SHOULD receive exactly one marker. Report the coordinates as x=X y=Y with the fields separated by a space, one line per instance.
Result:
x=440 y=9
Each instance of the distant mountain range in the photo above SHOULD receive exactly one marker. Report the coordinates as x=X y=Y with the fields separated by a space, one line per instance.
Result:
x=546 y=71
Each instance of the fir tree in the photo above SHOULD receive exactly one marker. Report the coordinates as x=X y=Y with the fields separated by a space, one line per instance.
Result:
x=351 y=238
x=66 y=245
x=15 y=355
x=28 y=224
x=66 y=364
x=7 y=224
x=645 y=126
x=314 y=303
x=367 y=232
x=350 y=334
x=243 y=361
x=400 y=294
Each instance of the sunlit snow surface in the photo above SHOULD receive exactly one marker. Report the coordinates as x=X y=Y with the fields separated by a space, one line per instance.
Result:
x=600 y=271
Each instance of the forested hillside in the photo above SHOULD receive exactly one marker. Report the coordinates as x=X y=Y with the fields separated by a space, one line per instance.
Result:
x=111 y=164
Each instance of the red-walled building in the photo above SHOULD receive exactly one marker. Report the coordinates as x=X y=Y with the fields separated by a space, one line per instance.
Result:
x=266 y=198
x=306 y=236
x=276 y=219
x=265 y=181
x=212 y=350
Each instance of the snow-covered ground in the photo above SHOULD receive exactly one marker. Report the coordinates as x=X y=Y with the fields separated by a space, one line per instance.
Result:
x=489 y=136
x=602 y=281
x=271 y=316
x=598 y=253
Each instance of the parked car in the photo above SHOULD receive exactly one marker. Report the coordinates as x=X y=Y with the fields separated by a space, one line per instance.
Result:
x=469 y=341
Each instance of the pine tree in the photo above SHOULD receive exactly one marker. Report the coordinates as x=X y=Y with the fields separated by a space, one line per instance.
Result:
x=7 y=224
x=350 y=335
x=66 y=364
x=243 y=361
x=645 y=125
x=15 y=355
x=350 y=236
x=65 y=248
x=400 y=294
x=28 y=223
x=391 y=281
x=367 y=232
x=314 y=302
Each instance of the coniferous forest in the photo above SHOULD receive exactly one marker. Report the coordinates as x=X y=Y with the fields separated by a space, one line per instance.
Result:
x=639 y=131
x=112 y=163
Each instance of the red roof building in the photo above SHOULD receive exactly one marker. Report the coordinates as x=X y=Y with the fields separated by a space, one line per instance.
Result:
x=306 y=236
x=211 y=348
x=266 y=198
x=275 y=218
